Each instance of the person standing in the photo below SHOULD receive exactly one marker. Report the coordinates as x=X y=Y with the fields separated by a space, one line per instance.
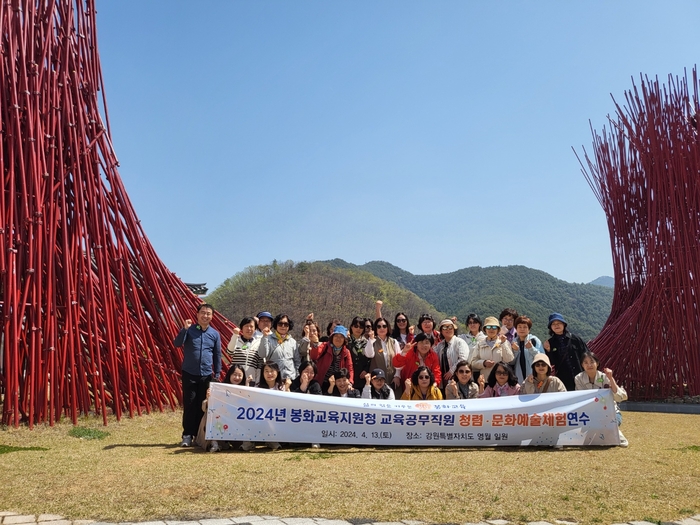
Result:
x=201 y=364
x=450 y=351
x=565 y=351
x=507 y=318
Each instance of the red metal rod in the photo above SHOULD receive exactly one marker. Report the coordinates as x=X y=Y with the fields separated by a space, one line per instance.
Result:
x=88 y=309
x=644 y=171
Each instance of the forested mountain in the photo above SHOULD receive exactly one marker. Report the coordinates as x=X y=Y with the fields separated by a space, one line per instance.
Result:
x=329 y=291
x=604 y=280
x=486 y=291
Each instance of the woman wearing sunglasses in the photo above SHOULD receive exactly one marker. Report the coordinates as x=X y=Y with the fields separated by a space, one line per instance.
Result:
x=421 y=386
x=356 y=344
x=541 y=381
x=403 y=332
x=281 y=348
x=381 y=351
x=494 y=349
x=501 y=382
x=464 y=387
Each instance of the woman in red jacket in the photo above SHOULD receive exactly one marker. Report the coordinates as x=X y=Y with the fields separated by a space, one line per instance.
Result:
x=331 y=356
x=418 y=353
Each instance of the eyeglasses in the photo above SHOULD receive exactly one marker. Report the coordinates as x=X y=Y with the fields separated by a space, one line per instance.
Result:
x=423 y=377
x=401 y=320
x=491 y=327
x=540 y=363
x=501 y=373
x=462 y=371
x=282 y=323
x=381 y=326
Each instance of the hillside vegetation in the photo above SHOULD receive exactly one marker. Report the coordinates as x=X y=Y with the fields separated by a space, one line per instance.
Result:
x=340 y=289
x=326 y=290
x=487 y=291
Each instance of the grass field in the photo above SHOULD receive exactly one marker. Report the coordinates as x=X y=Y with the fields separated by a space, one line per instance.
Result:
x=138 y=472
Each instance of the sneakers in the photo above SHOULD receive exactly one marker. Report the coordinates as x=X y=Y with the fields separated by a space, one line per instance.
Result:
x=186 y=441
x=247 y=446
x=315 y=445
x=214 y=447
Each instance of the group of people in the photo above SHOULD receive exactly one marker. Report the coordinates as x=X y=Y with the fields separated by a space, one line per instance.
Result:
x=499 y=357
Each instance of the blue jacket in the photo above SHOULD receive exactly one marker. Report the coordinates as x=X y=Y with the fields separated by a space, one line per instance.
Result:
x=201 y=349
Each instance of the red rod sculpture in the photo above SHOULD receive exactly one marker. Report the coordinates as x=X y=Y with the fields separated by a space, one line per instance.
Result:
x=88 y=309
x=645 y=172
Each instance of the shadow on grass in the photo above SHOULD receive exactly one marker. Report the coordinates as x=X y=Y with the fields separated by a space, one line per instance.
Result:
x=6 y=449
x=144 y=445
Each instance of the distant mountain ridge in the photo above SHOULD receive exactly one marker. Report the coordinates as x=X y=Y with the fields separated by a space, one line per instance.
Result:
x=604 y=280
x=487 y=291
x=329 y=291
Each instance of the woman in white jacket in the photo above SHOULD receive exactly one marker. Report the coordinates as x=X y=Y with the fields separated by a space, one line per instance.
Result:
x=492 y=350
x=451 y=350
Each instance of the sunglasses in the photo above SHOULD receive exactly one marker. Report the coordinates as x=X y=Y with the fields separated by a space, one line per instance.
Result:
x=491 y=327
x=357 y=325
x=501 y=373
x=381 y=326
x=464 y=371
x=423 y=377
x=540 y=364
x=282 y=323
x=401 y=320
x=368 y=327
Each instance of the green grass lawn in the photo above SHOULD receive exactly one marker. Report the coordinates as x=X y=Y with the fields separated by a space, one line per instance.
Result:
x=134 y=470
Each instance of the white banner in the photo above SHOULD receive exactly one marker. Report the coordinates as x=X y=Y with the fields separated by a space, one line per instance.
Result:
x=585 y=417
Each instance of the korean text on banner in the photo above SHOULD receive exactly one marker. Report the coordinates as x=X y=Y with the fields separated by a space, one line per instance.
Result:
x=584 y=417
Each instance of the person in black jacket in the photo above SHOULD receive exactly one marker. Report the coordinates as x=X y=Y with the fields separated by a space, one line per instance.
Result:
x=305 y=382
x=340 y=385
x=565 y=351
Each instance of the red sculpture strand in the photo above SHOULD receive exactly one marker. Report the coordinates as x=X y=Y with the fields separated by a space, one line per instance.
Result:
x=88 y=309
x=645 y=172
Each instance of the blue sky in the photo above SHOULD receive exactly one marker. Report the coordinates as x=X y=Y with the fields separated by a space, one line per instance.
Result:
x=433 y=135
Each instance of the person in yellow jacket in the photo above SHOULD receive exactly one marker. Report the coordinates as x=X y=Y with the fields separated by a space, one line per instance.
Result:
x=421 y=386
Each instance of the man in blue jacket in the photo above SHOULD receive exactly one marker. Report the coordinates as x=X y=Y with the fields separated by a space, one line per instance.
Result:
x=201 y=364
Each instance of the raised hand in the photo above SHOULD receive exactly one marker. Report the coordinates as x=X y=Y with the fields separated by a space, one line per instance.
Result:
x=452 y=387
x=188 y=323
